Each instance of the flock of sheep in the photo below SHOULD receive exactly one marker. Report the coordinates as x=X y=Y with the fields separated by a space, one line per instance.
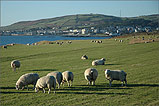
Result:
x=51 y=79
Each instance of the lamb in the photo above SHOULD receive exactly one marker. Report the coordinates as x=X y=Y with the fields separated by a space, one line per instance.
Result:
x=15 y=64
x=26 y=79
x=115 y=75
x=91 y=75
x=84 y=57
x=67 y=77
x=98 y=62
x=46 y=81
x=58 y=77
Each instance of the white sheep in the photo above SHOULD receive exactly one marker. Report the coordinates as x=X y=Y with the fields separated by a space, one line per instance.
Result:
x=58 y=76
x=98 y=62
x=15 y=64
x=46 y=81
x=91 y=75
x=67 y=77
x=115 y=75
x=27 y=79
x=69 y=42
x=84 y=57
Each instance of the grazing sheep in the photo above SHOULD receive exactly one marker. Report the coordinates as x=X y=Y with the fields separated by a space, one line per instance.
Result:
x=115 y=75
x=92 y=41
x=69 y=42
x=15 y=64
x=91 y=75
x=67 y=77
x=98 y=62
x=26 y=79
x=120 y=40
x=5 y=46
x=46 y=81
x=84 y=57
x=58 y=77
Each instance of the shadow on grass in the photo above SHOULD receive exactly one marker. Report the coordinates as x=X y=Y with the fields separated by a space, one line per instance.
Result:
x=30 y=88
x=11 y=92
x=90 y=93
x=7 y=87
x=90 y=88
x=43 y=70
x=110 y=64
x=143 y=85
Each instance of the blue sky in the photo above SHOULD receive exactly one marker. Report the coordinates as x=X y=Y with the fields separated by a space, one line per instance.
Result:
x=15 y=11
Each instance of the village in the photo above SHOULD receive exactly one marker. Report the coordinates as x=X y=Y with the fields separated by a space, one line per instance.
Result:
x=89 y=31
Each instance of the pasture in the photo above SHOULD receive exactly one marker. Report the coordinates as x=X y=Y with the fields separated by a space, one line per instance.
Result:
x=139 y=61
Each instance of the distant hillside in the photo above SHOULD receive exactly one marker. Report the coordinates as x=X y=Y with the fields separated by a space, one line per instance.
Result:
x=85 y=20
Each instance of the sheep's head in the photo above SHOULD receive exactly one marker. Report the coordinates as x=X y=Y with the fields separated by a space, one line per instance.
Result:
x=19 y=86
x=107 y=71
x=103 y=59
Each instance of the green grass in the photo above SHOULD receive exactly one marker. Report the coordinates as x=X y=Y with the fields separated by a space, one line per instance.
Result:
x=139 y=61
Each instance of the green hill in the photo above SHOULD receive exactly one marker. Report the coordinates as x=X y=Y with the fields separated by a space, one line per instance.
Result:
x=84 y=20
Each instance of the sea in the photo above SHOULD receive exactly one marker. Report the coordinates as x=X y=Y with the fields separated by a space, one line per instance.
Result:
x=4 y=40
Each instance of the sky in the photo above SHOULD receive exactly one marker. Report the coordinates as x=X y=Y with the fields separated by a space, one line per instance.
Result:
x=15 y=11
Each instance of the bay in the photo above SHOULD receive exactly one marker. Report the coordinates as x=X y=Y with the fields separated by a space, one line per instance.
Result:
x=33 y=39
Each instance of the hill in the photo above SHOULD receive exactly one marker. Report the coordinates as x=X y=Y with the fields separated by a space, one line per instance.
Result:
x=139 y=61
x=83 y=21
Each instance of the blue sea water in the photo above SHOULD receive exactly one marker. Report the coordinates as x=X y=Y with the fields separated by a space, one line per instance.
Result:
x=32 y=39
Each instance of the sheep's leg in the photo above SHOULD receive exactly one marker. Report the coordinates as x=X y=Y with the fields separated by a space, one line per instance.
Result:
x=54 y=90
x=34 y=87
x=49 y=91
x=71 y=83
x=122 y=83
x=68 y=83
x=27 y=88
x=93 y=83
x=110 y=83
x=14 y=69
x=58 y=86
x=90 y=82
x=44 y=90
x=125 y=82
x=23 y=88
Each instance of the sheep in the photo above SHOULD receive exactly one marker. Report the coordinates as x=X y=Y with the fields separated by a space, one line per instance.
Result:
x=5 y=46
x=26 y=79
x=67 y=77
x=91 y=75
x=46 y=81
x=28 y=44
x=69 y=42
x=92 y=41
x=15 y=64
x=115 y=75
x=84 y=57
x=58 y=76
x=98 y=62
x=120 y=40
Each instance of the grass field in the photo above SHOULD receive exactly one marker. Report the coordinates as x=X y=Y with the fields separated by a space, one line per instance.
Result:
x=139 y=61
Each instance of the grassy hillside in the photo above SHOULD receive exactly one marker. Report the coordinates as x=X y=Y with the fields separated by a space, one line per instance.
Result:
x=139 y=61
x=84 y=20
